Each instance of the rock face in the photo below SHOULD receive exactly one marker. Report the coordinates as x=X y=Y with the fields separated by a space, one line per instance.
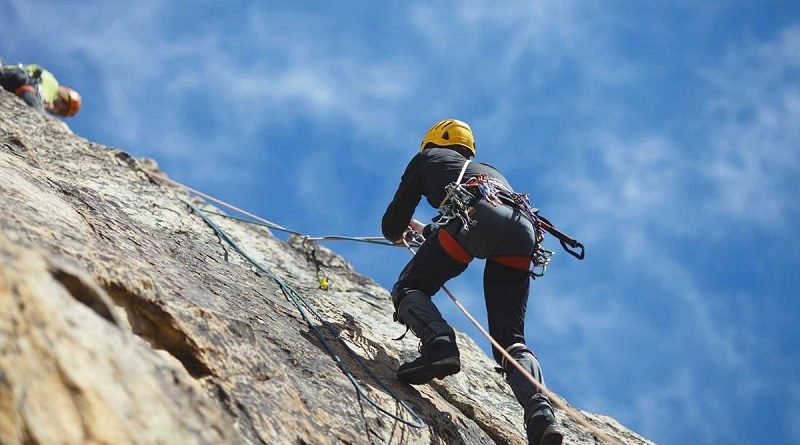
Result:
x=124 y=319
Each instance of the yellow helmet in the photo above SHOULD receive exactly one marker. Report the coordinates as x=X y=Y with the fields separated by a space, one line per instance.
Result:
x=449 y=132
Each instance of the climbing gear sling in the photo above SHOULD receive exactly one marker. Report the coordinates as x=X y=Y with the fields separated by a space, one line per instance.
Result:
x=458 y=203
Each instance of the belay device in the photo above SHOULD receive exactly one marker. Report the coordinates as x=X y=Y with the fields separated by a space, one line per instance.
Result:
x=458 y=204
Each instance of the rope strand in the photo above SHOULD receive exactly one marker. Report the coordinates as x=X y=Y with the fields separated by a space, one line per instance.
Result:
x=304 y=306
x=363 y=239
x=259 y=221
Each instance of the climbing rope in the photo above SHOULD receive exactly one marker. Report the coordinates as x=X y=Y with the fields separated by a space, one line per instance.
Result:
x=299 y=302
x=363 y=239
x=305 y=307
x=259 y=221
x=308 y=243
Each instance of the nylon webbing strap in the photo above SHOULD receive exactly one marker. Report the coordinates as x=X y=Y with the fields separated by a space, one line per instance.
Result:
x=458 y=181
x=514 y=261
x=453 y=248
x=463 y=170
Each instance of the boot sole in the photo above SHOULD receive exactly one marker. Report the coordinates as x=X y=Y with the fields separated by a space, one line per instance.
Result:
x=435 y=370
x=552 y=437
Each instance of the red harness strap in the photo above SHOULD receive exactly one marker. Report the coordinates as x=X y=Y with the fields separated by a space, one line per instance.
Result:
x=451 y=246
x=24 y=89
x=516 y=262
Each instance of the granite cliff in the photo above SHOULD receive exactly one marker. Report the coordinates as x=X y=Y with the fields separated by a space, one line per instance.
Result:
x=125 y=319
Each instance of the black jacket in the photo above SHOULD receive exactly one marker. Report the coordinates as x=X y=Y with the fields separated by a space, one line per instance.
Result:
x=427 y=175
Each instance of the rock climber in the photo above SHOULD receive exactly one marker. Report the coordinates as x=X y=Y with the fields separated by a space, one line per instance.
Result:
x=40 y=89
x=489 y=222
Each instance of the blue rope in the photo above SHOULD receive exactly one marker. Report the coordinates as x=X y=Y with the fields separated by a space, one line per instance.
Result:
x=300 y=302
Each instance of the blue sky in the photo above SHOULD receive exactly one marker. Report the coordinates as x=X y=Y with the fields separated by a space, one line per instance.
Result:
x=664 y=135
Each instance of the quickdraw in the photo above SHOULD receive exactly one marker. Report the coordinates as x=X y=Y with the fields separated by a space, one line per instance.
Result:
x=457 y=202
x=311 y=255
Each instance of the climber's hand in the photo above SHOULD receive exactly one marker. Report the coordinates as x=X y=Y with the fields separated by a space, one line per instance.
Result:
x=414 y=229
x=416 y=226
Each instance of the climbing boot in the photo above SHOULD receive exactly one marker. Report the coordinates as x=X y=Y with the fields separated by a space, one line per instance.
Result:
x=540 y=422
x=540 y=432
x=438 y=359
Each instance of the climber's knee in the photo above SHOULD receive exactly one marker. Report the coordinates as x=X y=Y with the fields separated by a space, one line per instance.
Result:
x=522 y=387
x=398 y=295
x=517 y=351
x=24 y=89
x=525 y=357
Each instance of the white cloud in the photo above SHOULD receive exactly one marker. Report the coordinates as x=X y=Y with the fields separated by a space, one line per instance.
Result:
x=294 y=74
x=509 y=35
x=754 y=161
x=713 y=324
x=638 y=192
x=626 y=188
x=679 y=404
x=562 y=313
x=320 y=186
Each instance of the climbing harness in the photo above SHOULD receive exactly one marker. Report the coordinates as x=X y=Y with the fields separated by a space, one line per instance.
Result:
x=460 y=198
x=305 y=307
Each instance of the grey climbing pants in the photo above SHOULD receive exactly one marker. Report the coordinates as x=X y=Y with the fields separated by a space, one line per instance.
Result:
x=499 y=231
